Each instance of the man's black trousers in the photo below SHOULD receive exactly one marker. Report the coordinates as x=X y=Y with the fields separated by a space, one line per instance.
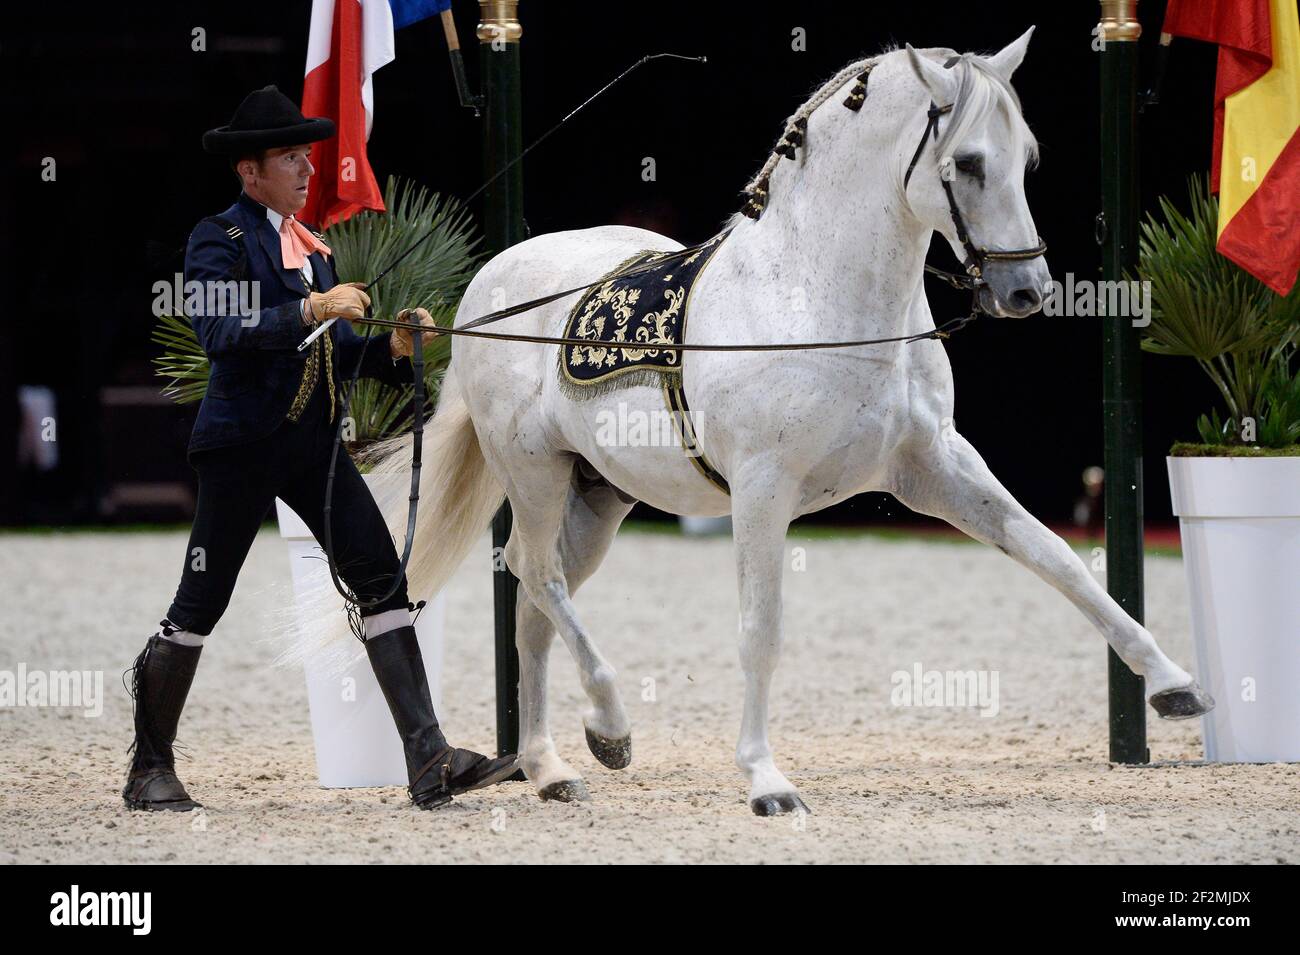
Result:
x=238 y=485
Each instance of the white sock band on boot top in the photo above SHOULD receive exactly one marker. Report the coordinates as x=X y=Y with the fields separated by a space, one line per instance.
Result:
x=382 y=623
x=183 y=637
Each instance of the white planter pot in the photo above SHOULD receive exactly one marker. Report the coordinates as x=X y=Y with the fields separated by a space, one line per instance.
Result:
x=1240 y=520
x=356 y=740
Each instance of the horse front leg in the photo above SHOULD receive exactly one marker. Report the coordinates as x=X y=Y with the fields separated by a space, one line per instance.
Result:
x=760 y=517
x=950 y=480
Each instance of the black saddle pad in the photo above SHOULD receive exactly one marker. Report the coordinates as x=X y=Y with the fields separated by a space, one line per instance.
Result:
x=647 y=308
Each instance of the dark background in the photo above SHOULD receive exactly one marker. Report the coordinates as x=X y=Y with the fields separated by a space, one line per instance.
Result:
x=116 y=95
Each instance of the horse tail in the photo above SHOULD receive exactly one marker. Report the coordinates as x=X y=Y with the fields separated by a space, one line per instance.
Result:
x=458 y=498
x=458 y=494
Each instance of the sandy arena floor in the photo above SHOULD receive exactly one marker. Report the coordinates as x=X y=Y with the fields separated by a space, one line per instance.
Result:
x=884 y=783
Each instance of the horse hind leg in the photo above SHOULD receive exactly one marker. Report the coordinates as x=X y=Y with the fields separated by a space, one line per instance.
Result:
x=551 y=775
x=592 y=513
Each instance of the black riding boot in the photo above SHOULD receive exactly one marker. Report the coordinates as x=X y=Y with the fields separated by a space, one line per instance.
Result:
x=160 y=682
x=437 y=770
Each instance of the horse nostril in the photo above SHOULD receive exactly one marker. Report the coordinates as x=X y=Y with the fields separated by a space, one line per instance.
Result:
x=1026 y=299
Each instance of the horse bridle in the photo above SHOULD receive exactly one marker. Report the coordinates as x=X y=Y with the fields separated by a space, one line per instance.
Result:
x=976 y=257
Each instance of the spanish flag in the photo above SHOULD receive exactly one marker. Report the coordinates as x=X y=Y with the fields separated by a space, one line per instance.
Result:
x=1256 y=159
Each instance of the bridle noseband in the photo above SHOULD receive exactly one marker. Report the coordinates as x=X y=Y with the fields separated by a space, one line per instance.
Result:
x=976 y=258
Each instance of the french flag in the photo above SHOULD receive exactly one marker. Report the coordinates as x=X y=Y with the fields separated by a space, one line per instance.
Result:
x=348 y=42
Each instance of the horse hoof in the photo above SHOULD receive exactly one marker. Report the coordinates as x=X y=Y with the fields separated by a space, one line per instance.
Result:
x=1181 y=702
x=778 y=804
x=612 y=753
x=566 y=790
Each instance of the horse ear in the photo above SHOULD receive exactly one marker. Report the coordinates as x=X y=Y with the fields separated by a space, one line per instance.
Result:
x=1006 y=60
x=941 y=83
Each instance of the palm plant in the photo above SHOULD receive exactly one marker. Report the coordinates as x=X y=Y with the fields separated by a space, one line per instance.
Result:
x=1241 y=333
x=434 y=276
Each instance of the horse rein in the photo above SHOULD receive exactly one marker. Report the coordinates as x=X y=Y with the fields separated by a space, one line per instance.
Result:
x=941 y=331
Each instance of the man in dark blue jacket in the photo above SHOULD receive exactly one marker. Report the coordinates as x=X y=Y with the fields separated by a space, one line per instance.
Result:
x=257 y=283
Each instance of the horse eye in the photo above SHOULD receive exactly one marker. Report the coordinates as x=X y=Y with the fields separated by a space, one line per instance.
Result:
x=972 y=165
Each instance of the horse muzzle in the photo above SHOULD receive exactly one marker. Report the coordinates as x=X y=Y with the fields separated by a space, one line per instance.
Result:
x=1014 y=290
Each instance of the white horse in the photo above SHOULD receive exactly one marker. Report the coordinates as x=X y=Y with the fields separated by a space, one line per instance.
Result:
x=792 y=431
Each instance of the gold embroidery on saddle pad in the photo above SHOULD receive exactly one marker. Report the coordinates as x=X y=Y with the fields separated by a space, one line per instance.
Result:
x=646 y=309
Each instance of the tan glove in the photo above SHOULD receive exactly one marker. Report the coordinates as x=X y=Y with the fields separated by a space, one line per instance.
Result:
x=400 y=344
x=346 y=301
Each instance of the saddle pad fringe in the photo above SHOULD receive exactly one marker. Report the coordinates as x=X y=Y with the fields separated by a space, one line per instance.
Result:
x=626 y=378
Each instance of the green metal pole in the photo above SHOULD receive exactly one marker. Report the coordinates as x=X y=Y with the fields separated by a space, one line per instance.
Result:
x=1118 y=34
x=499 y=33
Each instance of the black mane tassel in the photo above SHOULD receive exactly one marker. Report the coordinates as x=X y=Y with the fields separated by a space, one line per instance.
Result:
x=753 y=208
x=858 y=95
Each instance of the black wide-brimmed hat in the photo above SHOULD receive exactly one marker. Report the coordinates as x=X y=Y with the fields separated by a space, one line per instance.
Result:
x=265 y=119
